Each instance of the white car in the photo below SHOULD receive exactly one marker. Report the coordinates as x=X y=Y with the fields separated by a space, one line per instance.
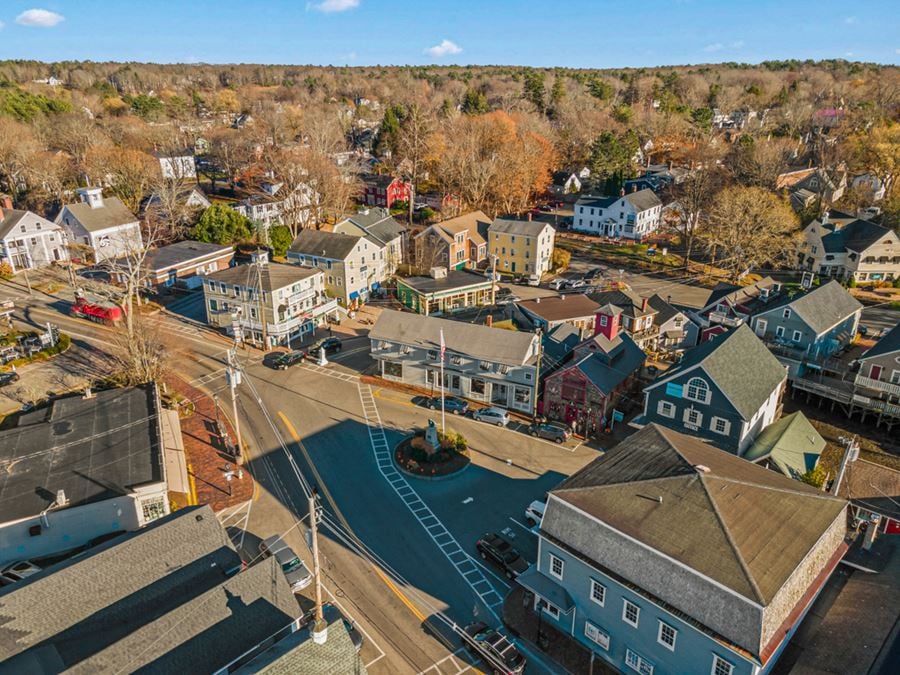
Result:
x=535 y=512
x=496 y=416
x=557 y=284
x=576 y=283
x=17 y=571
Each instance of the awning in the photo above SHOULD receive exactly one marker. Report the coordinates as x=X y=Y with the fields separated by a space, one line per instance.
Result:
x=354 y=295
x=544 y=587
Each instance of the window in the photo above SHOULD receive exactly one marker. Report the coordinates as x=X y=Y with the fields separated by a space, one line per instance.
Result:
x=666 y=409
x=666 y=636
x=476 y=386
x=720 y=666
x=213 y=306
x=597 y=636
x=484 y=365
x=697 y=390
x=630 y=613
x=598 y=592
x=556 y=566
x=393 y=369
x=523 y=396
x=786 y=313
x=503 y=369
x=895 y=377
x=527 y=376
x=797 y=336
x=456 y=359
x=603 y=319
x=720 y=426
x=638 y=663
x=693 y=418
x=779 y=331
x=153 y=508
x=552 y=610
x=432 y=355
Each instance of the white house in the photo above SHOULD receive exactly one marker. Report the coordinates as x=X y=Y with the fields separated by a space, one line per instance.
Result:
x=105 y=225
x=177 y=166
x=28 y=241
x=272 y=205
x=635 y=215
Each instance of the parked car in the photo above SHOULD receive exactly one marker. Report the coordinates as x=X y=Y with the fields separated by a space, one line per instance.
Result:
x=17 y=571
x=296 y=573
x=329 y=344
x=507 y=299
x=452 y=404
x=534 y=513
x=8 y=378
x=501 y=552
x=558 y=284
x=576 y=283
x=496 y=416
x=593 y=274
x=287 y=359
x=494 y=647
x=553 y=432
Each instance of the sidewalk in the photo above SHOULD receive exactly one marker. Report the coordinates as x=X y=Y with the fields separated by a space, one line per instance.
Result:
x=205 y=453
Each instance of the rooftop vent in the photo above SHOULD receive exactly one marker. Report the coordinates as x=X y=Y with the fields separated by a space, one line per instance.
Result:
x=702 y=468
x=438 y=272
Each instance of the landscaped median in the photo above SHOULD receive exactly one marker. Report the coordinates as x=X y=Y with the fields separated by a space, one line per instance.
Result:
x=416 y=457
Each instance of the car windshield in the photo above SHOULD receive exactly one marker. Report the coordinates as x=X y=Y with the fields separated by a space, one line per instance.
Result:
x=291 y=565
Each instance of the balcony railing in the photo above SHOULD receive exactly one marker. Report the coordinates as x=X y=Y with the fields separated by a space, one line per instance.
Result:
x=724 y=320
x=878 y=385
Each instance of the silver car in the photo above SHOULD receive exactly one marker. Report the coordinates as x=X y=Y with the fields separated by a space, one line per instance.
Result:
x=496 y=416
x=296 y=573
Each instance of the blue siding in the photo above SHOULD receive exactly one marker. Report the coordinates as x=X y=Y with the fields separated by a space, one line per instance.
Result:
x=693 y=651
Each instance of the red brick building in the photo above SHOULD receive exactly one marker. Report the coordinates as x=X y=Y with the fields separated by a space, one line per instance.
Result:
x=384 y=191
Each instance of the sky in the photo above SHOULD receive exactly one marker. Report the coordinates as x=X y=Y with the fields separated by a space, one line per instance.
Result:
x=582 y=34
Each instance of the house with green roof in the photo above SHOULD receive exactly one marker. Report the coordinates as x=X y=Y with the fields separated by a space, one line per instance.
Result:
x=791 y=445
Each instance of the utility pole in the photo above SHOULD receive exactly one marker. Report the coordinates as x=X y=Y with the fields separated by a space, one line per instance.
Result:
x=850 y=455
x=493 y=279
x=537 y=374
x=234 y=379
x=319 y=627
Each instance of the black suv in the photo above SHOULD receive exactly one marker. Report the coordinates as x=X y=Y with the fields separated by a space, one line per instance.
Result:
x=288 y=359
x=329 y=344
x=494 y=547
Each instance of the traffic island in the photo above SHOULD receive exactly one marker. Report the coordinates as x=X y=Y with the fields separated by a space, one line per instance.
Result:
x=432 y=455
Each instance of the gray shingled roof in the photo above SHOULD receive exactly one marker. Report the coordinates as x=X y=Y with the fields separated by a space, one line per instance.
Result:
x=112 y=214
x=156 y=600
x=624 y=358
x=887 y=344
x=10 y=218
x=273 y=275
x=740 y=366
x=820 y=308
x=740 y=524
x=322 y=244
x=525 y=228
x=628 y=301
x=378 y=224
x=642 y=200
x=857 y=235
x=182 y=252
x=496 y=345
x=94 y=449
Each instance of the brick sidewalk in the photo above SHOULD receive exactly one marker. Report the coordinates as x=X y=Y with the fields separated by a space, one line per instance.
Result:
x=205 y=452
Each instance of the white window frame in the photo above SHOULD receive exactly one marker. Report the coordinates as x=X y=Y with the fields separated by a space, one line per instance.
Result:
x=562 y=567
x=726 y=426
x=604 y=320
x=659 y=635
x=551 y=609
x=596 y=584
x=687 y=390
x=779 y=331
x=727 y=668
x=786 y=314
x=895 y=377
x=153 y=508
x=637 y=617
x=638 y=663
x=690 y=413
x=664 y=406
x=797 y=336
x=597 y=635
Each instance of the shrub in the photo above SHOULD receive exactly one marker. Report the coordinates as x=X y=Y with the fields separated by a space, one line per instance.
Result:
x=851 y=283
x=6 y=272
x=896 y=283
x=815 y=476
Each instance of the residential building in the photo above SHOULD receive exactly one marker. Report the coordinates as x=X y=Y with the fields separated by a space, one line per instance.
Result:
x=791 y=446
x=521 y=246
x=178 y=165
x=825 y=185
x=634 y=215
x=636 y=315
x=879 y=367
x=270 y=203
x=183 y=263
x=491 y=365
x=444 y=292
x=874 y=494
x=585 y=389
x=383 y=191
x=85 y=466
x=575 y=309
x=843 y=247
x=28 y=241
x=726 y=390
x=729 y=305
x=455 y=243
x=379 y=227
x=667 y=555
x=190 y=197
x=170 y=598
x=675 y=330
x=870 y=185
x=354 y=266
x=565 y=183
x=103 y=226
x=268 y=303
x=809 y=326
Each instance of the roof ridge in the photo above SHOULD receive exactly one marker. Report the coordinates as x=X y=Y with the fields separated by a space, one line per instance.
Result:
x=740 y=557
x=801 y=493
x=621 y=483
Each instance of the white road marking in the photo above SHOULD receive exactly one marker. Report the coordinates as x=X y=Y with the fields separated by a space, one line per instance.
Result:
x=468 y=500
x=452 y=659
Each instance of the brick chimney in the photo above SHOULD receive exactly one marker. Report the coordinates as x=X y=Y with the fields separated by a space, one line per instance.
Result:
x=529 y=215
x=6 y=202
x=644 y=305
x=634 y=187
x=622 y=192
x=489 y=321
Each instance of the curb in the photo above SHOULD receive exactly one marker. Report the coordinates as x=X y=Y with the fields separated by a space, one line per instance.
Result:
x=431 y=479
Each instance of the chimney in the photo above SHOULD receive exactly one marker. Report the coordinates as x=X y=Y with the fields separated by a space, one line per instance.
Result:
x=6 y=201
x=489 y=322
x=644 y=305
x=669 y=299
x=537 y=301
x=634 y=187
x=93 y=196
x=529 y=215
x=88 y=394
x=622 y=192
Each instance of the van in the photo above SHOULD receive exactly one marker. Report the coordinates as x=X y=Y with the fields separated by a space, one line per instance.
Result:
x=534 y=280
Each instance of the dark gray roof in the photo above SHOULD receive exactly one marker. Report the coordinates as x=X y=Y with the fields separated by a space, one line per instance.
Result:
x=629 y=302
x=93 y=449
x=820 y=308
x=378 y=224
x=741 y=295
x=560 y=340
x=606 y=372
x=10 y=218
x=322 y=244
x=181 y=252
x=454 y=279
x=643 y=200
x=738 y=523
x=888 y=344
x=740 y=366
x=496 y=345
x=664 y=311
x=156 y=600
x=525 y=228
x=857 y=235
x=112 y=214
x=273 y=275
x=596 y=201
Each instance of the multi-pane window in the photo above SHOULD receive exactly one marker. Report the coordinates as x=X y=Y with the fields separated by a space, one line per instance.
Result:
x=720 y=666
x=797 y=336
x=596 y=635
x=697 y=390
x=666 y=409
x=666 y=636
x=693 y=417
x=721 y=426
x=598 y=592
x=153 y=508
x=630 y=613
x=638 y=663
x=556 y=566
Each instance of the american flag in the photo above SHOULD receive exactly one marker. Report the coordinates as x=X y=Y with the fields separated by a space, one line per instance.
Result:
x=443 y=346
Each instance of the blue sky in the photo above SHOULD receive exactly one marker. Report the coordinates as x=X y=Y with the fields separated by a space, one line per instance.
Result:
x=586 y=33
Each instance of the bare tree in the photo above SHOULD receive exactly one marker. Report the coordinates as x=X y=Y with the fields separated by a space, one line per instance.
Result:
x=139 y=354
x=414 y=146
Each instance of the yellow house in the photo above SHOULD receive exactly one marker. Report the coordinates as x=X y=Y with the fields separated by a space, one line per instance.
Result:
x=521 y=246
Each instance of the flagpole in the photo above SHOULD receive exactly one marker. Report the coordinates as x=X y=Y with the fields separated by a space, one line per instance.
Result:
x=443 y=412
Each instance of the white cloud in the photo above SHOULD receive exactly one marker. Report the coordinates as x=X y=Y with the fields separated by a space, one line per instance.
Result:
x=331 y=6
x=2 y=24
x=737 y=44
x=850 y=20
x=714 y=47
x=39 y=18
x=443 y=49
